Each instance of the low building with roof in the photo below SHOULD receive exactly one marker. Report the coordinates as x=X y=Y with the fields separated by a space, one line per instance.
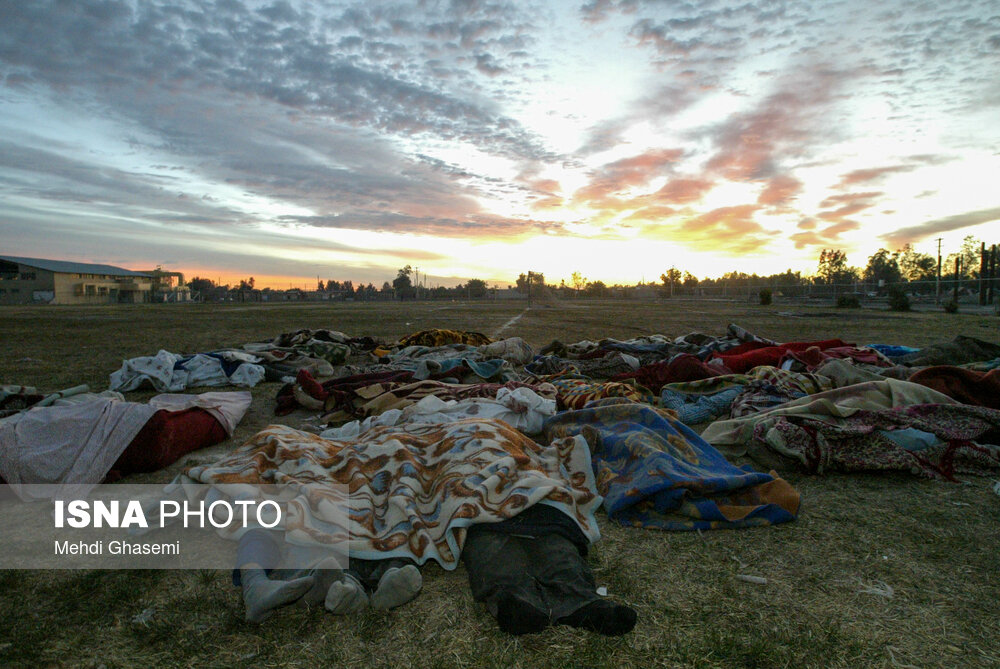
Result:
x=41 y=281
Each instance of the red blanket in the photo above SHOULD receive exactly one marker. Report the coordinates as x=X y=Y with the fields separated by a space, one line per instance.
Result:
x=684 y=367
x=746 y=356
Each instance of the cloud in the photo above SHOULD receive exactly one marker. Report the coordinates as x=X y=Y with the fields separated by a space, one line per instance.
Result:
x=871 y=174
x=915 y=233
x=620 y=175
x=779 y=191
x=276 y=54
x=752 y=144
x=683 y=191
x=729 y=230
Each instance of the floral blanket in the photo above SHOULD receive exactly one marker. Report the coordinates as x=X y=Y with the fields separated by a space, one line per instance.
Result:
x=413 y=488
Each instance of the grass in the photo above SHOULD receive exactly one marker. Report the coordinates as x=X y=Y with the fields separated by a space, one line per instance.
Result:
x=828 y=574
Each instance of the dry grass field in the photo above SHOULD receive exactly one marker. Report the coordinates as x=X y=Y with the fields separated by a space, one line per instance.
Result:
x=878 y=571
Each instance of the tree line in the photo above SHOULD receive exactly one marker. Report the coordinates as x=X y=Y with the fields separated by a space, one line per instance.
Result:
x=884 y=269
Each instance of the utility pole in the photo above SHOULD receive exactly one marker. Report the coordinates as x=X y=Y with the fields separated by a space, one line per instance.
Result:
x=982 y=274
x=937 y=287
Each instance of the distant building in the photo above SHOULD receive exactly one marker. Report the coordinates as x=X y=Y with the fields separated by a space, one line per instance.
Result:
x=35 y=280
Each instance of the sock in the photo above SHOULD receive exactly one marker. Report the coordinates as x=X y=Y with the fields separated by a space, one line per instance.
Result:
x=517 y=616
x=603 y=617
x=261 y=595
x=346 y=596
x=397 y=586
x=324 y=574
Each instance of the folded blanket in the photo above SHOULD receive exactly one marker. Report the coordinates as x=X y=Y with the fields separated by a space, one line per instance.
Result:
x=655 y=472
x=413 y=489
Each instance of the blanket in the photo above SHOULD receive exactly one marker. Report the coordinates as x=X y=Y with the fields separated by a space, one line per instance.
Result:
x=444 y=337
x=959 y=351
x=868 y=441
x=655 y=472
x=378 y=398
x=681 y=368
x=868 y=426
x=80 y=439
x=413 y=489
x=521 y=408
x=732 y=436
x=171 y=372
x=574 y=391
x=965 y=385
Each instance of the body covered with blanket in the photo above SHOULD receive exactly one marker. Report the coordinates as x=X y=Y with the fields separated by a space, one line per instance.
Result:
x=413 y=489
x=655 y=472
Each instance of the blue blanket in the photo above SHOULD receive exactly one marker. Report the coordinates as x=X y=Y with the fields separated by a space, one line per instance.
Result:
x=655 y=472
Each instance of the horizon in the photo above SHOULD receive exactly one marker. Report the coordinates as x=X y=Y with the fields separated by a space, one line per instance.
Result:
x=616 y=138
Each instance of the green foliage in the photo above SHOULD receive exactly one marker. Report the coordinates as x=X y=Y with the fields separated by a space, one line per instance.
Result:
x=848 y=302
x=898 y=300
x=883 y=266
x=765 y=296
x=916 y=266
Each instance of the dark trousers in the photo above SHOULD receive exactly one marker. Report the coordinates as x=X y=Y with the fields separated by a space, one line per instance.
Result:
x=547 y=572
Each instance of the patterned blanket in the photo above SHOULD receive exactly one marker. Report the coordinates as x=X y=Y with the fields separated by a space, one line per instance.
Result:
x=413 y=488
x=655 y=472
x=443 y=337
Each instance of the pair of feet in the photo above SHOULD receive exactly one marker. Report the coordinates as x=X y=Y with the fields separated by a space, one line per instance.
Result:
x=339 y=592
x=519 y=616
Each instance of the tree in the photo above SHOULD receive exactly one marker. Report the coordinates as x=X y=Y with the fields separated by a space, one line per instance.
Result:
x=690 y=280
x=200 y=285
x=579 y=281
x=402 y=284
x=883 y=268
x=476 y=288
x=832 y=265
x=596 y=289
x=537 y=281
x=916 y=266
x=969 y=256
x=669 y=278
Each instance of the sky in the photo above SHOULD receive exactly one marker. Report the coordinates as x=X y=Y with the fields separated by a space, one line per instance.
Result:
x=478 y=139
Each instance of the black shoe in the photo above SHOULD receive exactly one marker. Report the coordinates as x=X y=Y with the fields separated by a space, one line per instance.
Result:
x=519 y=616
x=603 y=617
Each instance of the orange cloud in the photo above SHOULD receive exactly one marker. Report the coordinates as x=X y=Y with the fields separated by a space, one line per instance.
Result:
x=680 y=191
x=871 y=174
x=779 y=191
x=726 y=229
x=654 y=213
x=617 y=176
